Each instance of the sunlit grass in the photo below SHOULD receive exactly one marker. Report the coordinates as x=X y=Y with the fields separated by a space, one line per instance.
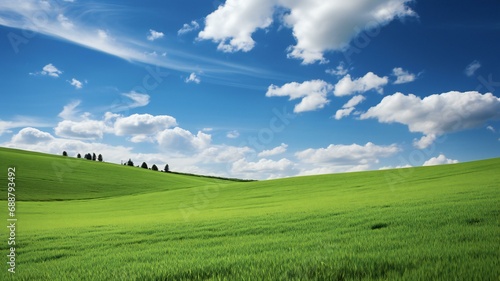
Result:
x=429 y=223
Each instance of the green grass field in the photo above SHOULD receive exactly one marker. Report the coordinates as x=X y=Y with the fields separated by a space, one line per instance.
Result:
x=85 y=220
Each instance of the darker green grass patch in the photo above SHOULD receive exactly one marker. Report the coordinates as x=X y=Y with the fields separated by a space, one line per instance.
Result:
x=473 y=221
x=379 y=225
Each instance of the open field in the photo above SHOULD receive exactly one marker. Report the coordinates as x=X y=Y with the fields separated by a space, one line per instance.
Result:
x=85 y=220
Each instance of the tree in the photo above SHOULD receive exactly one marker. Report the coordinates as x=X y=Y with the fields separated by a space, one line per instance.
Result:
x=88 y=156
x=167 y=169
x=99 y=158
x=130 y=163
x=79 y=155
x=94 y=157
x=65 y=153
x=144 y=165
x=154 y=168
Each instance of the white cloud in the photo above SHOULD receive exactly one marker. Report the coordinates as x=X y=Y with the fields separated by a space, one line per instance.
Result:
x=31 y=135
x=440 y=160
x=182 y=141
x=318 y=26
x=64 y=21
x=142 y=138
x=69 y=111
x=85 y=129
x=76 y=83
x=223 y=153
x=349 y=107
x=403 y=76
x=103 y=35
x=340 y=70
x=50 y=70
x=313 y=94
x=346 y=86
x=354 y=101
x=424 y=141
x=233 y=23
x=275 y=151
x=471 y=69
x=395 y=167
x=193 y=78
x=343 y=158
x=138 y=100
x=343 y=112
x=233 y=134
x=353 y=154
x=142 y=124
x=188 y=27
x=153 y=35
x=490 y=128
x=436 y=114
x=264 y=168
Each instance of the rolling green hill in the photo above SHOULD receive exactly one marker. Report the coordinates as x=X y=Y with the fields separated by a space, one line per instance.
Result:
x=85 y=220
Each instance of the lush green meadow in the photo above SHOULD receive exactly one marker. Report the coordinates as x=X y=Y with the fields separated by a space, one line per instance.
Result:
x=85 y=220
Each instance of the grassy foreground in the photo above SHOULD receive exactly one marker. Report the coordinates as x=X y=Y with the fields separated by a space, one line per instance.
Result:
x=84 y=220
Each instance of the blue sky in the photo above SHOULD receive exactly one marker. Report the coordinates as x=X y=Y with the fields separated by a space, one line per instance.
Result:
x=253 y=89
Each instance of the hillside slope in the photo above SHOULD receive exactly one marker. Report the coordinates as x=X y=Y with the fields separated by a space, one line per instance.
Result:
x=45 y=177
x=110 y=222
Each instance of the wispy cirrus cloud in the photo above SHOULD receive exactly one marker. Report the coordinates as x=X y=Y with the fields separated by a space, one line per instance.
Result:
x=471 y=69
x=57 y=20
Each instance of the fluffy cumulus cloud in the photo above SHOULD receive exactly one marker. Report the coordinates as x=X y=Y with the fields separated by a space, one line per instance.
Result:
x=471 y=69
x=153 y=35
x=85 y=129
x=183 y=141
x=49 y=70
x=346 y=86
x=275 y=151
x=31 y=136
x=223 y=153
x=440 y=160
x=403 y=76
x=436 y=114
x=349 y=107
x=264 y=168
x=233 y=23
x=343 y=158
x=347 y=154
x=313 y=94
x=143 y=124
x=318 y=26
